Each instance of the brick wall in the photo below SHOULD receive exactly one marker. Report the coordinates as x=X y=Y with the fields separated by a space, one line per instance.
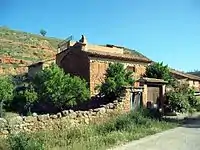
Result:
x=98 y=68
x=76 y=63
x=97 y=73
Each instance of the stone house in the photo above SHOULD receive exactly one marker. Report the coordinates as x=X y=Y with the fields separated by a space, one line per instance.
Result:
x=36 y=67
x=192 y=80
x=91 y=61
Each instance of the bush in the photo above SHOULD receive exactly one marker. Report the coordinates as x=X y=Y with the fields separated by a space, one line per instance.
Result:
x=178 y=101
x=198 y=104
x=24 y=99
x=25 y=142
x=60 y=89
x=116 y=78
x=6 y=92
x=181 y=98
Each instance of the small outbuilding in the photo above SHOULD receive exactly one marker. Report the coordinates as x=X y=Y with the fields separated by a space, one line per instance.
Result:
x=153 y=92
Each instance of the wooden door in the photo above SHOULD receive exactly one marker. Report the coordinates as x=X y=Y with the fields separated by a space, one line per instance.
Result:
x=153 y=94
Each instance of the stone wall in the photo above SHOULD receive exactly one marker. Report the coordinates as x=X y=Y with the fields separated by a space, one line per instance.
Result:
x=64 y=119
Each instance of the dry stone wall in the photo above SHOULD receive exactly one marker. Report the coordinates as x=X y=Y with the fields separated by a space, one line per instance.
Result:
x=64 y=119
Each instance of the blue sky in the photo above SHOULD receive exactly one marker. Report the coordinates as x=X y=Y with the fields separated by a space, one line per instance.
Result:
x=163 y=30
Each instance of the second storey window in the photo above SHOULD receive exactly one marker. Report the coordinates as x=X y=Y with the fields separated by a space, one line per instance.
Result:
x=131 y=68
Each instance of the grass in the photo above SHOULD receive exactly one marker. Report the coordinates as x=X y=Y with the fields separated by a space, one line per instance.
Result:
x=27 y=47
x=117 y=131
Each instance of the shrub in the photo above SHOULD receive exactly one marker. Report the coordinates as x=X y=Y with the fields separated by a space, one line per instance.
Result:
x=198 y=104
x=178 y=101
x=24 y=99
x=181 y=98
x=60 y=89
x=25 y=142
x=6 y=92
x=116 y=78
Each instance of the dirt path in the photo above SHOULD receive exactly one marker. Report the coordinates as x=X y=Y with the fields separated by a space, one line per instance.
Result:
x=186 y=137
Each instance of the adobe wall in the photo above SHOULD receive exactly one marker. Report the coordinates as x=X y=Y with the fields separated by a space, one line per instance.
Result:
x=76 y=62
x=98 y=68
x=64 y=119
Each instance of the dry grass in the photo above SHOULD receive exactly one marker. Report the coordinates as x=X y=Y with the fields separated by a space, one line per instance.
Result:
x=24 y=46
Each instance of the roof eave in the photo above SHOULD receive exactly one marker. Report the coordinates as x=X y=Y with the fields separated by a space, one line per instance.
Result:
x=119 y=58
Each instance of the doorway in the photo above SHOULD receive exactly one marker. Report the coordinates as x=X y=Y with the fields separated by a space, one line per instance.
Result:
x=136 y=99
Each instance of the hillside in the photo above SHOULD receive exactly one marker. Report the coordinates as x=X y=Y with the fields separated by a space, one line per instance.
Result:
x=19 y=49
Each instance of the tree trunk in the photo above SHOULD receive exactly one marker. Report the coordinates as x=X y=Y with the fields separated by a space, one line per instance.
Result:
x=1 y=109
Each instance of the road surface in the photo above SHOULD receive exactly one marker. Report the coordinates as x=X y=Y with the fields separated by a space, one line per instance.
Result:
x=186 y=137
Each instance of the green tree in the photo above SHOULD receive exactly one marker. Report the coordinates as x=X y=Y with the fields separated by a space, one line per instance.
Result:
x=60 y=89
x=116 y=78
x=6 y=91
x=24 y=99
x=43 y=32
x=158 y=70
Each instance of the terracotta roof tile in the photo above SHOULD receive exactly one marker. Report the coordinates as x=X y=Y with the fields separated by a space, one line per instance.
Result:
x=186 y=75
x=125 y=56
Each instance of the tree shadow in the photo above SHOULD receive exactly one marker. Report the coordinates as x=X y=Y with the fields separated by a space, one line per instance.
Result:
x=187 y=122
x=192 y=122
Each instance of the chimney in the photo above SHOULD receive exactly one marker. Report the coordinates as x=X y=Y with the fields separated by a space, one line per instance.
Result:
x=83 y=42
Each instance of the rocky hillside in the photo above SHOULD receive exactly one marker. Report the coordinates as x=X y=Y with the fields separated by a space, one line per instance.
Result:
x=19 y=49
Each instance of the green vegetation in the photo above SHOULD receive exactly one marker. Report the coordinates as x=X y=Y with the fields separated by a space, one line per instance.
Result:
x=6 y=92
x=60 y=89
x=26 y=47
x=51 y=88
x=121 y=129
x=43 y=32
x=158 y=71
x=116 y=78
x=181 y=97
x=25 y=99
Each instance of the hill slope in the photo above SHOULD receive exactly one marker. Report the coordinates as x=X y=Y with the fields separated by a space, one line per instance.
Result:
x=19 y=49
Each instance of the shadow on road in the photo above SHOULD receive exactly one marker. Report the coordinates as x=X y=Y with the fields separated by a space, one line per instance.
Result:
x=190 y=122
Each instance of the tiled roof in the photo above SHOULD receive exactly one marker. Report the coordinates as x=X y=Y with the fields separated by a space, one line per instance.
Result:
x=186 y=75
x=126 y=57
x=128 y=54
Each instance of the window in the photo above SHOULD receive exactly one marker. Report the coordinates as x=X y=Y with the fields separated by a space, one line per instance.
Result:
x=131 y=68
